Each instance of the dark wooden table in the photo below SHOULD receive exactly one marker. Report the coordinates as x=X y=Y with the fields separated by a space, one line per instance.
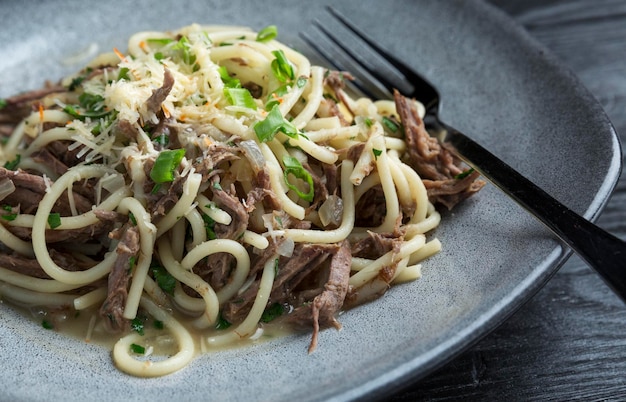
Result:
x=569 y=341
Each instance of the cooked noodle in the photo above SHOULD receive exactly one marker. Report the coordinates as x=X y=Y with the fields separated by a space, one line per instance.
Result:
x=208 y=177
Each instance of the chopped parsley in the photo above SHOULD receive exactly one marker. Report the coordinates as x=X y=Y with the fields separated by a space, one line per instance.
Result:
x=11 y=165
x=132 y=219
x=221 y=322
x=464 y=174
x=132 y=262
x=89 y=106
x=123 y=74
x=390 y=124
x=209 y=226
x=137 y=349
x=377 y=153
x=11 y=215
x=54 y=220
x=137 y=325
x=272 y=312
x=164 y=279
x=47 y=324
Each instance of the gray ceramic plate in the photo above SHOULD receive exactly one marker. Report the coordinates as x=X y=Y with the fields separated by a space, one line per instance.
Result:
x=498 y=85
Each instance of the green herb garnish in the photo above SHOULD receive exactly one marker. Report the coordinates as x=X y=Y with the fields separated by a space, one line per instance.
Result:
x=272 y=312
x=136 y=324
x=464 y=174
x=274 y=122
x=164 y=279
x=54 y=220
x=293 y=167
x=11 y=165
x=138 y=349
x=132 y=219
x=267 y=34
x=209 y=226
x=229 y=82
x=281 y=68
x=240 y=97
x=123 y=74
x=165 y=165
x=390 y=124
x=221 y=322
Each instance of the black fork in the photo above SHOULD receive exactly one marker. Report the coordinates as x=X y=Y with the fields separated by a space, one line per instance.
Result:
x=601 y=250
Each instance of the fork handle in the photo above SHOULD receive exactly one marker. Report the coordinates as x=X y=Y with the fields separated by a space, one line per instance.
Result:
x=600 y=249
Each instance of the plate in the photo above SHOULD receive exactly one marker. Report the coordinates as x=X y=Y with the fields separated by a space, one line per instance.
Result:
x=498 y=85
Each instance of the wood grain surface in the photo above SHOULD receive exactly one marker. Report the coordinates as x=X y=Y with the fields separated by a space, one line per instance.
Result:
x=569 y=341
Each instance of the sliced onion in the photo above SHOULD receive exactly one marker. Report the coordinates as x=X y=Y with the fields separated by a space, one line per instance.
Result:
x=285 y=248
x=112 y=182
x=6 y=188
x=252 y=151
x=331 y=211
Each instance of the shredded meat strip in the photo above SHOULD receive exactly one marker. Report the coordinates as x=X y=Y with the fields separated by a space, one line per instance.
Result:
x=112 y=309
x=434 y=163
x=322 y=311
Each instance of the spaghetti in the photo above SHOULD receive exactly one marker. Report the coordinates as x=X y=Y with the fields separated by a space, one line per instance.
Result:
x=208 y=181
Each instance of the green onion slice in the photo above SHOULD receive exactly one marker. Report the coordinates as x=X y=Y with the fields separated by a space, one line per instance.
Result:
x=293 y=167
x=165 y=165
x=229 y=82
x=267 y=34
x=274 y=122
x=281 y=67
x=240 y=97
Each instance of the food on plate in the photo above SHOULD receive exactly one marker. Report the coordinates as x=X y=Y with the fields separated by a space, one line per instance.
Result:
x=207 y=185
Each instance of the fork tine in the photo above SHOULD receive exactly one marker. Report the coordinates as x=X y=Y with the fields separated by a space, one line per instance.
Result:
x=352 y=54
x=367 y=87
x=422 y=88
x=405 y=70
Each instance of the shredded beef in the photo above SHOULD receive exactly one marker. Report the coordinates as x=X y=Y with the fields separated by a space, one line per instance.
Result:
x=160 y=204
x=216 y=268
x=46 y=158
x=158 y=95
x=61 y=151
x=337 y=81
x=20 y=106
x=321 y=312
x=30 y=189
x=112 y=309
x=305 y=259
x=214 y=156
x=376 y=244
x=434 y=163
x=228 y=201
x=79 y=235
x=372 y=208
x=29 y=266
